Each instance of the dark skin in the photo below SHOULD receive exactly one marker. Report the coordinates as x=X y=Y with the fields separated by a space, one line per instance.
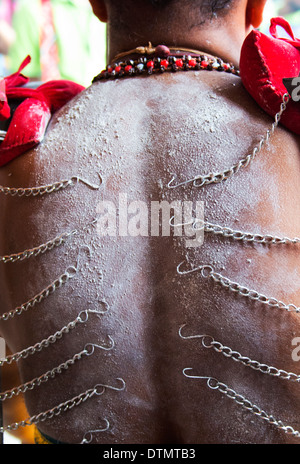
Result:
x=136 y=133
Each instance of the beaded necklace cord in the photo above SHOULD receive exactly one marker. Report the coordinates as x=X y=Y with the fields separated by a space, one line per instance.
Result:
x=162 y=61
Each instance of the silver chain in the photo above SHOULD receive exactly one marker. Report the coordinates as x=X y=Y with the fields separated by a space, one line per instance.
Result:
x=46 y=342
x=82 y=318
x=48 y=188
x=70 y=272
x=35 y=191
x=66 y=406
x=214 y=384
x=208 y=271
x=247 y=236
x=99 y=389
x=197 y=181
x=252 y=294
x=209 y=342
x=55 y=285
x=228 y=232
x=41 y=249
x=88 y=350
x=215 y=178
x=56 y=411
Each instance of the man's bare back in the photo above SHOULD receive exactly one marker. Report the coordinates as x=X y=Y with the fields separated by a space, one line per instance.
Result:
x=136 y=134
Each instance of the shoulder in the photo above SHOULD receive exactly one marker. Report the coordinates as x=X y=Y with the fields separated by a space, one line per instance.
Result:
x=207 y=110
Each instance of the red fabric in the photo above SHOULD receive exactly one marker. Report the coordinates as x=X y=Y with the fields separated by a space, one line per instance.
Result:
x=14 y=80
x=264 y=62
x=32 y=116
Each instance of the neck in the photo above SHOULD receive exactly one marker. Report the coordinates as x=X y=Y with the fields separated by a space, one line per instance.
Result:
x=225 y=49
x=221 y=37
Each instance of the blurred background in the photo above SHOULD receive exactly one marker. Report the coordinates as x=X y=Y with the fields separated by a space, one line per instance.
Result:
x=289 y=9
x=66 y=41
x=63 y=37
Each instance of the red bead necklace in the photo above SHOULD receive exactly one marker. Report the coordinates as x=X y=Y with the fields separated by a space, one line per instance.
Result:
x=161 y=61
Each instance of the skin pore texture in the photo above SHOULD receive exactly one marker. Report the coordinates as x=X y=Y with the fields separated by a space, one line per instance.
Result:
x=136 y=133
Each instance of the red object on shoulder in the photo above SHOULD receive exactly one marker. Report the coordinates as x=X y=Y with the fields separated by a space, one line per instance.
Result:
x=30 y=119
x=264 y=63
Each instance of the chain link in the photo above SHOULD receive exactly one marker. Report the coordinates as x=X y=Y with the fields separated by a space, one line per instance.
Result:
x=245 y=236
x=80 y=319
x=48 y=246
x=98 y=390
x=50 y=289
x=35 y=191
x=48 y=188
x=228 y=232
x=209 y=342
x=88 y=350
x=252 y=294
x=41 y=249
x=215 y=384
x=30 y=385
x=254 y=409
x=215 y=178
x=207 y=271
x=56 y=411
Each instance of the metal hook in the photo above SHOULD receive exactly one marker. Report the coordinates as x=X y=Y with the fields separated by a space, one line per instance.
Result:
x=88 y=436
x=180 y=224
x=190 y=336
x=193 y=376
x=99 y=393
x=93 y=222
x=180 y=184
x=183 y=272
x=189 y=271
x=96 y=311
x=203 y=336
x=194 y=222
x=84 y=314
x=77 y=179
x=90 y=347
x=200 y=377
x=113 y=388
x=202 y=268
x=105 y=304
